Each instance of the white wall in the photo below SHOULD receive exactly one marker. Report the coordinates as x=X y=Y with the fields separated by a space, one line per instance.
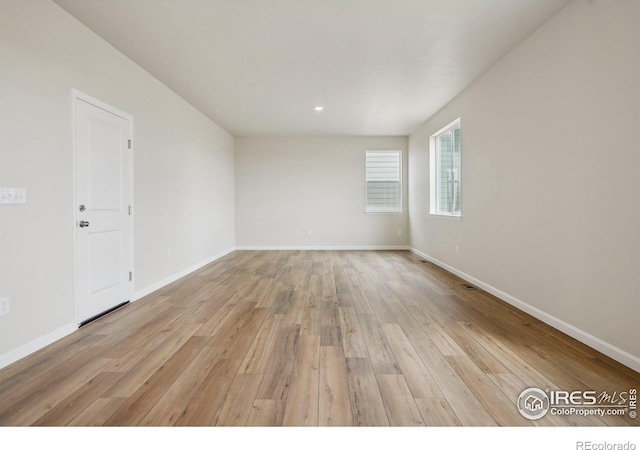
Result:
x=184 y=182
x=285 y=184
x=550 y=187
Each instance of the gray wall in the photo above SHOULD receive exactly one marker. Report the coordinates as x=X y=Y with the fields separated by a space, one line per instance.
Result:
x=183 y=164
x=550 y=209
x=285 y=184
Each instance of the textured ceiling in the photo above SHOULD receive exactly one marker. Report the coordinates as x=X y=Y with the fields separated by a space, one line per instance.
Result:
x=258 y=67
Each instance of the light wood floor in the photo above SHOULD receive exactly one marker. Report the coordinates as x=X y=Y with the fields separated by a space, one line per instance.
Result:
x=307 y=338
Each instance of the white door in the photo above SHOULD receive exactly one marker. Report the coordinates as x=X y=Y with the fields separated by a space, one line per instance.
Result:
x=102 y=208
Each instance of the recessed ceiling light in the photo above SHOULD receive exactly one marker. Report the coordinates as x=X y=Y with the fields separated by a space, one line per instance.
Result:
x=319 y=108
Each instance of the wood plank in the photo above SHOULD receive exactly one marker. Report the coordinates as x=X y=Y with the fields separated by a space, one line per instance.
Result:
x=204 y=405
x=239 y=401
x=464 y=403
x=208 y=306
x=445 y=343
x=138 y=405
x=30 y=412
x=30 y=372
x=228 y=325
x=301 y=408
x=360 y=301
x=76 y=403
x=418 y=378
x=380 y=307
x=136 y=354
x=516 y=365
x=436 y=412
x=260 y=352
x=144 y=369
x=353 y=342
x=129 y=319
x=174 y=403
x=250 y=287
x=334 y=400
x=310 y=324
x=262 y=289
x=98 y=412
x=300 y=298
x=28 y=404
x=315 y=286
x=330 y=334
x=402 y=410
x=472 y=348
x=119 y=343
x=240 y=334
x=295 y=316
x=404 y=292
x=498 y=405
x=220 y=317
x=278 y=372
x=404 y=318
x=282 y=302
x=329 y=290
x=382 y=358
x=344 y=299
x=265 y=413
x=366 y=401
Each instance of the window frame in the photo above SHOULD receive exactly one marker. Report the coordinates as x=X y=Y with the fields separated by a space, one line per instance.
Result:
x=434 y=168
x=367 y=209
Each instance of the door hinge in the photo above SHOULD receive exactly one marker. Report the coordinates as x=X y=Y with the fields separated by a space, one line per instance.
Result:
x=130 y=276
x=129 y=209
x=129 y=143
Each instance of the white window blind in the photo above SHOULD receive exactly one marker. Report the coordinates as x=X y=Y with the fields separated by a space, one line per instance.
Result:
x=445 y=163
x=384 y=181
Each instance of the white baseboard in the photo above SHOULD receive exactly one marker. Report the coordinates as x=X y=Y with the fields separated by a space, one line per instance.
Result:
x=602 y=346
x=41 y=342
x=594 y=342
x=160 y=284
x=36 y=344
x=323 y=247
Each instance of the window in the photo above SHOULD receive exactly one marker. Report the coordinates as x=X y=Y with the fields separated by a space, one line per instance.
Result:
x=384 y=181
x=444 y=160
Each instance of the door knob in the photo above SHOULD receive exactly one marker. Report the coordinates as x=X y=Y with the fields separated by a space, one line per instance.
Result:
x=83 y=223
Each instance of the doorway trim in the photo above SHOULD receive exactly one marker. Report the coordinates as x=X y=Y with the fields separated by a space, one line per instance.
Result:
x=75 y=96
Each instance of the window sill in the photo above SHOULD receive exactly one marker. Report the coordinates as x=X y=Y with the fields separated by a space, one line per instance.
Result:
x=384 y=212
x=446 y=216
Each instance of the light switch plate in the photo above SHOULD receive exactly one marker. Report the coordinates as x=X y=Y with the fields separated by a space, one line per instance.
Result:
x=13 y=196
